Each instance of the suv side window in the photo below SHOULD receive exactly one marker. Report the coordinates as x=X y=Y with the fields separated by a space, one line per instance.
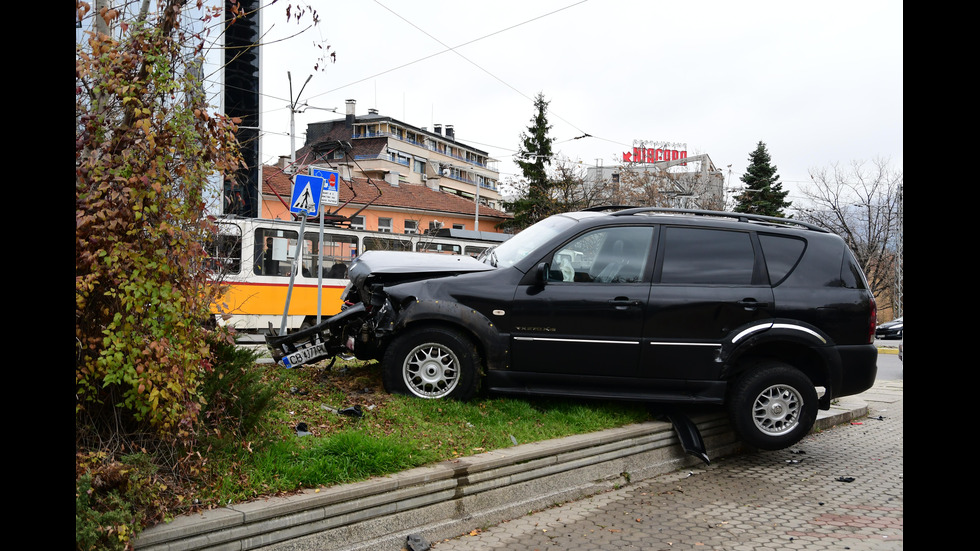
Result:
x=707 y=257
x=782 y=254
x=607 y=255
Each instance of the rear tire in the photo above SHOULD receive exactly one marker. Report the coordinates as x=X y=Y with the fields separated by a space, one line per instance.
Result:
x=773 y=406
x=432 y=363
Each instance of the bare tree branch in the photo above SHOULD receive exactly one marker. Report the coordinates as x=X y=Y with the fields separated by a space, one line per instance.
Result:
x=860 y=202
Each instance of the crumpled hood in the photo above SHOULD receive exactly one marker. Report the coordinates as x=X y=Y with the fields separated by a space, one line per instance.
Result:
x=397 y=266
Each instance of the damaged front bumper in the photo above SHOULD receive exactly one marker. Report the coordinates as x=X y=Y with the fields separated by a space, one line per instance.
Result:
x=329 y=338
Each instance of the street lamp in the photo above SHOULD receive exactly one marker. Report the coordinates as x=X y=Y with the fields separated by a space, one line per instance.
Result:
x=292 y=115
x=295 y=107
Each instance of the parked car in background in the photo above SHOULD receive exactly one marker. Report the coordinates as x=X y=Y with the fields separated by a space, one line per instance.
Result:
x=890 y=330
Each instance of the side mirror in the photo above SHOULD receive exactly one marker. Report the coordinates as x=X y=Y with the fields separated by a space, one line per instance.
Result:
x=541 y=275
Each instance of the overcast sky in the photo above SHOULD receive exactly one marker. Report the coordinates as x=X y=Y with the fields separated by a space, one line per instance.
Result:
x=817 y=82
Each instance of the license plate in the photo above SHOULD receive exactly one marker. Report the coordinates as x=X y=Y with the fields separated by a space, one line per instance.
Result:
x=304 y=355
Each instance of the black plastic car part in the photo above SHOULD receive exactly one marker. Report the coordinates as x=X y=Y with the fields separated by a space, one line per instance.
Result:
x=686 y=430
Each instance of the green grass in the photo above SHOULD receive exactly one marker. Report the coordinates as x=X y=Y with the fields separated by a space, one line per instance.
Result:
x=395 y=433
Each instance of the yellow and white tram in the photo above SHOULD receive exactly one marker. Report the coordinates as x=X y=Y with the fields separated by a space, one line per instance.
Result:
x=254 y=259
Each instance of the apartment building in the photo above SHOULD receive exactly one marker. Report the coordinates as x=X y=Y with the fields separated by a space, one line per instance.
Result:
x=384 y=148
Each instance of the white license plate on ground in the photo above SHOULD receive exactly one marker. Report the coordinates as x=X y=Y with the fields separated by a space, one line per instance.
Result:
x=304 y=355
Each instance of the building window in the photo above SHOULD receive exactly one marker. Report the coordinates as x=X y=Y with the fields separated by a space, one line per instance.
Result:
x=384 y=224
x=357 y=223
x=459 y=227
x=411 y=226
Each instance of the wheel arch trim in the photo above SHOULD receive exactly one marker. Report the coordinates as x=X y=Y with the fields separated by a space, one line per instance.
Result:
x=754 y=329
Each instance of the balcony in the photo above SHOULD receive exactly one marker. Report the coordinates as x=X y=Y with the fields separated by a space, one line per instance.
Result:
x=417 y=143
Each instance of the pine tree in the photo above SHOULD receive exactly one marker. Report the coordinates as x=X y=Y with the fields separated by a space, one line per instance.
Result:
x=764 y=194
x=533 y=155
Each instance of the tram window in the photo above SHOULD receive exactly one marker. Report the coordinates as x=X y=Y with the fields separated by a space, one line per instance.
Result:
x=338 y=250
x=274 y=251
x=444 y=248
x=385 y=244
x=225 y=253
x=474 y=250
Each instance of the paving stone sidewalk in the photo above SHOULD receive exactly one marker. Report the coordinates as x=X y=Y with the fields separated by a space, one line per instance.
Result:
x=839 y=489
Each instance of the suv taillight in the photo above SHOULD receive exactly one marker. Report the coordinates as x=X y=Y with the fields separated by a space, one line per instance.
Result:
x=874 y=321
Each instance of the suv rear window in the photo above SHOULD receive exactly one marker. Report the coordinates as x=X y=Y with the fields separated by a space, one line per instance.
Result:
x=782 y=254
x=708 y=257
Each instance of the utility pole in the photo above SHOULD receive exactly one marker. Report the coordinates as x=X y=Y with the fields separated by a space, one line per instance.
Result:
x=476 y=223
x=899 y=299
x=292 y=115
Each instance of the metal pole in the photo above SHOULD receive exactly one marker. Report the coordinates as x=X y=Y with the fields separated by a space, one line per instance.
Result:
x=319 y=276
x=292 y=273
x=292 y=115
x=476 y=224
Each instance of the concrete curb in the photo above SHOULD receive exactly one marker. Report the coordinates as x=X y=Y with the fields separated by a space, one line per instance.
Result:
x=453 y=497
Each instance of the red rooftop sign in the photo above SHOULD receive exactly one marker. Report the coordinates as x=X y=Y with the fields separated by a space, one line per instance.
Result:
x=658 y=153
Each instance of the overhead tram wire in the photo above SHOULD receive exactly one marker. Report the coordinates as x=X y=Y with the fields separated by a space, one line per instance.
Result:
x=471 y=62
x=453 y=49
x=448 y=48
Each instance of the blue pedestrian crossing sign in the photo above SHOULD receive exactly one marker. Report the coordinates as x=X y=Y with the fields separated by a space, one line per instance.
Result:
x=306 y=195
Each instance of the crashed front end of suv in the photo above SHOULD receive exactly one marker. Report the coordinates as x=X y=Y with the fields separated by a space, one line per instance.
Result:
x=378 y=299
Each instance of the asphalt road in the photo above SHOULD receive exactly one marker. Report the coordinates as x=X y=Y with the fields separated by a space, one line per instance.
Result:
x=890 y=368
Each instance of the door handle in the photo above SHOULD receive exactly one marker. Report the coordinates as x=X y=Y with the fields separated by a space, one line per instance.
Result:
x=752 y=304
x=622 y=303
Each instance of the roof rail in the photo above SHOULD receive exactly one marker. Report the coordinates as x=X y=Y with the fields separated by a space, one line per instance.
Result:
x=603 y=208
x=740 y=216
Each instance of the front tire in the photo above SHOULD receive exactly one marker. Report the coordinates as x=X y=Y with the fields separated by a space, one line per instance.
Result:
x=772 y=407
x=432 y=363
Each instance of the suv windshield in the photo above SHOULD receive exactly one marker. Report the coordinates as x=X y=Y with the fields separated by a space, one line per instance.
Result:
x=514 y=249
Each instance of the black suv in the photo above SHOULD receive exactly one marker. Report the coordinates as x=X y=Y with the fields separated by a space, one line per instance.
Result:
x=656 y=305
